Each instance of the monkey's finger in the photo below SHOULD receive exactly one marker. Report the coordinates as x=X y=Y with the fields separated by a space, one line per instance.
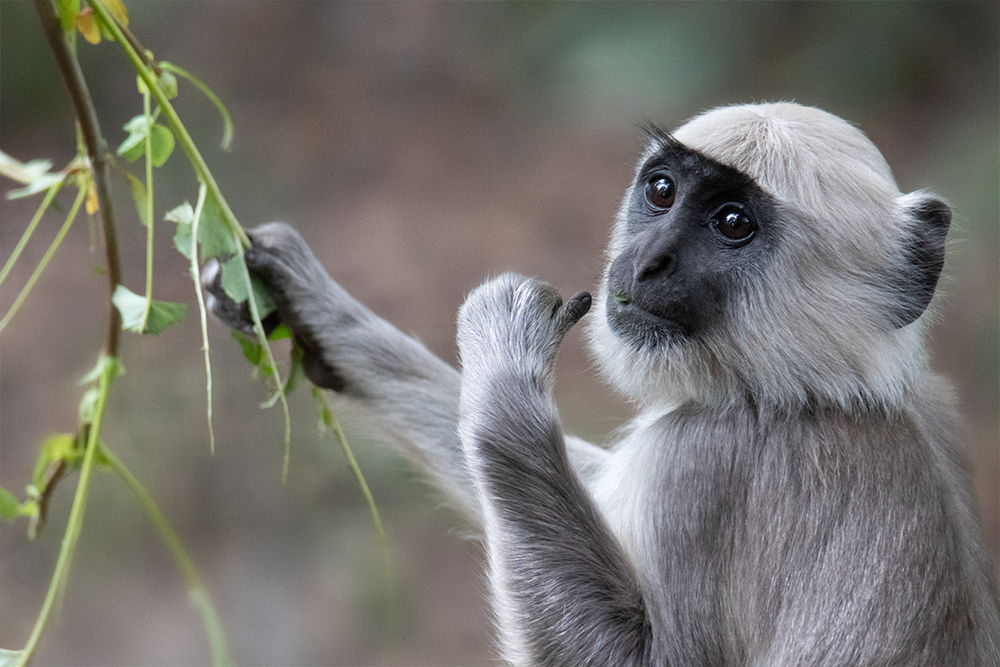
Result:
x=571 y=311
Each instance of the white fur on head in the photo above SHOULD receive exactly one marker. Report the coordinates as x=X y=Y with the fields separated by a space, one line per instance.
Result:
x=811 y=328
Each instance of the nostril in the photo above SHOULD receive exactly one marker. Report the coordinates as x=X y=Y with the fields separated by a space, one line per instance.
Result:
x=648 y=268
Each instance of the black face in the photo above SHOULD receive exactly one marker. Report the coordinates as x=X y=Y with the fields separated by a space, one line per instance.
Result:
x=697 y=230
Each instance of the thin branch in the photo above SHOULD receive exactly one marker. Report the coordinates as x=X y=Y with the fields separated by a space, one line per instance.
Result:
x=69 y=67
x=140 y=50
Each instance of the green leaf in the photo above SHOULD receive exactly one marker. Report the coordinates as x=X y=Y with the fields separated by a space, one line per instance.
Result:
x=55 y=448
x=134 y=145
x=88 y=405
x=234 y=282
x=133 y=307
x=162 y=140
x=213 y=233
x=164 y=314
x=183 y=215
x=12 y=658
x=10 y=508
x=103 y=361
x=297 y=371
x=262 y=297
x=168 y=83
x=280 y=332
x=234 y=278
x=254 y=353
x=39 y=184
x=139 y=195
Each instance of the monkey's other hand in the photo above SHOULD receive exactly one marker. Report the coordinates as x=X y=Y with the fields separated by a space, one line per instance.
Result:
x=513 y=324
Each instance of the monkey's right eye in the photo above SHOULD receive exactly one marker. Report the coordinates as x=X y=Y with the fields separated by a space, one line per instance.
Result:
x=660 y=192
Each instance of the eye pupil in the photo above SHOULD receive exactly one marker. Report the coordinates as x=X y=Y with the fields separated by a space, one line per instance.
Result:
x=734 y=224
x=660 y=192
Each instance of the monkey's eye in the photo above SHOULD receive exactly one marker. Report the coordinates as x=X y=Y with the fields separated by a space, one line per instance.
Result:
x=660 y=192
x=734 y=223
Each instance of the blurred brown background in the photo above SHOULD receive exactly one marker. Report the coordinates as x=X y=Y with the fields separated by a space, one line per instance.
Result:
x=420 y=147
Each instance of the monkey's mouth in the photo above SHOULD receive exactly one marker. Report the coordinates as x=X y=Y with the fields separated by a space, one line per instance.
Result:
x=635 y=321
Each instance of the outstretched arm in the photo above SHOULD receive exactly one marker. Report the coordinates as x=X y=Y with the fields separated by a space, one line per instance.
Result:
x=407 y=393
x=565 y=593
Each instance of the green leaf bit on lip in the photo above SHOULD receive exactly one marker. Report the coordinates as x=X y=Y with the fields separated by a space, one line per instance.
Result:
x=622 y=297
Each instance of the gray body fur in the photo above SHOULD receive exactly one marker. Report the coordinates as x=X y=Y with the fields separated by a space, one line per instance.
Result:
x=792 y=491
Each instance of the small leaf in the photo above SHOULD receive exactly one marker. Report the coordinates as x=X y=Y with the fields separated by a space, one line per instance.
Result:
x=137 y=151
x=213 y=233
x=164 y=314
x=88 y=405
x=183 y=215
x=22 y=172
x=280 y=332
x=262 y=297
x=118 y=10
x=297 y=371
x=87 y=25
x=168 y=83
x=133 y=307
x=10 y=508
x=252 y=350
x=162 y=140
x=234 y=279
x=93 y=204
x=234 y=282
x=55 y=448
x=39 y=184
x=137 y=129
x=139 y=196
x=103 y=361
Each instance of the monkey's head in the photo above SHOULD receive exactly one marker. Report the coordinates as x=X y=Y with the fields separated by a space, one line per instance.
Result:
x=765 y=253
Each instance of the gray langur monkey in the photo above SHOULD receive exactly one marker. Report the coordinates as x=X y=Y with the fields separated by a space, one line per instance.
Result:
x=792 y=490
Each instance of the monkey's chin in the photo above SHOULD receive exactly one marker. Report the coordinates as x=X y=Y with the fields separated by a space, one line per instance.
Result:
x=642 y=329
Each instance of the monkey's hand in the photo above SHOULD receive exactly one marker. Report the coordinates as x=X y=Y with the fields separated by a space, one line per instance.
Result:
x=509 y=331
x=566 y=591
x=308 y=301
x=515 y=324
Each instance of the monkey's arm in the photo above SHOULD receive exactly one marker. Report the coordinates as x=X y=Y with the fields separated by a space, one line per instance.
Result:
x=564 y=591
x=407 y=393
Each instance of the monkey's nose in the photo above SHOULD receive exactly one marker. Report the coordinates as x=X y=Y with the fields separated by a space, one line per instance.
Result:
x=655 y=260
x=652 y=267
x=655 y=254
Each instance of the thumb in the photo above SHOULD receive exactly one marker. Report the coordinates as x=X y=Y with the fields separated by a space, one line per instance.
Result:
x=571 y=312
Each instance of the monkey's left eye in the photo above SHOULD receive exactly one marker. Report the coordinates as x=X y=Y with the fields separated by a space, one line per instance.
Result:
x=734 y=223
x=660 y=192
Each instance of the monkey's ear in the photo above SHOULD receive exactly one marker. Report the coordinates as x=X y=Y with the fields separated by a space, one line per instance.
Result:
x=928 y=218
